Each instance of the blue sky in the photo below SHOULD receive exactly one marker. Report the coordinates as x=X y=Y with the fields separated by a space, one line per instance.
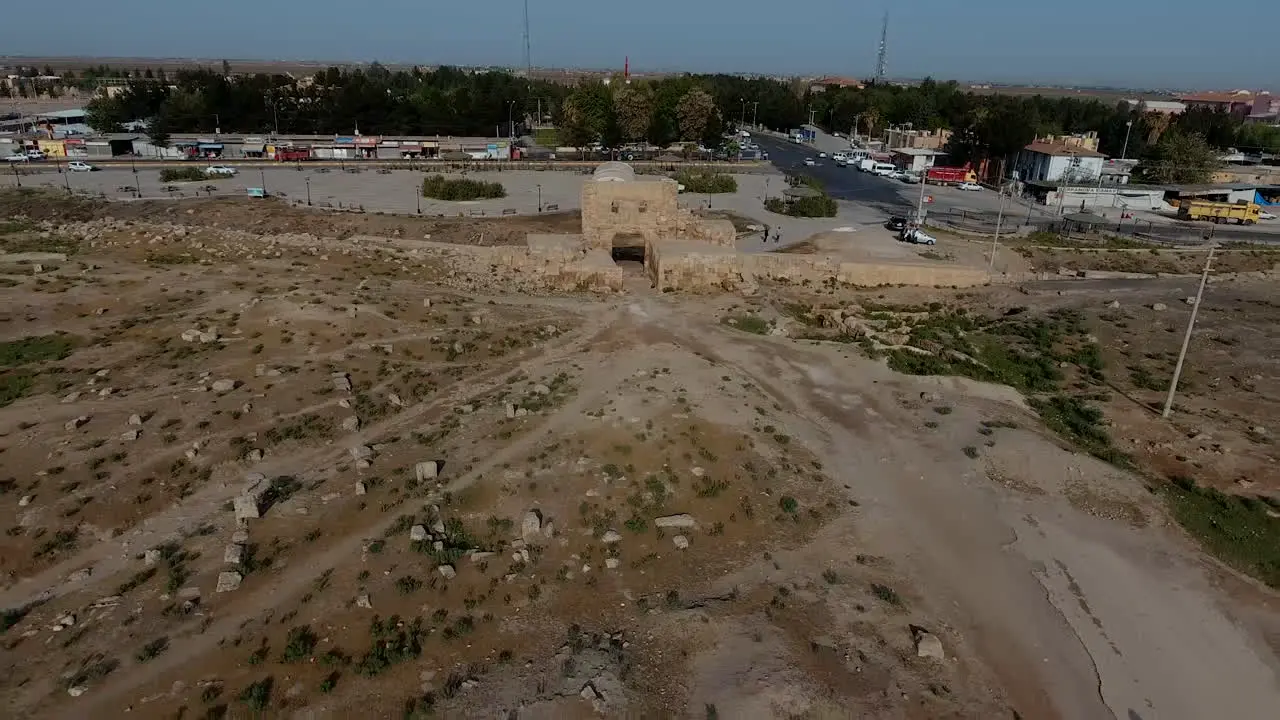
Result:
x=1138 y=43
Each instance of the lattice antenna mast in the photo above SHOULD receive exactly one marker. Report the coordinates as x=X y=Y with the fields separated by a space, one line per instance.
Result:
x=528 y=63
x=882 y=59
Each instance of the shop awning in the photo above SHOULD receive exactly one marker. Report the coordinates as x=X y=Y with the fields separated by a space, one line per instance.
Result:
x=253 y=147
x=210 y=146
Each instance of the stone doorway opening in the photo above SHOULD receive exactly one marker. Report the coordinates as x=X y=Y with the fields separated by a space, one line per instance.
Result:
x=628 y=251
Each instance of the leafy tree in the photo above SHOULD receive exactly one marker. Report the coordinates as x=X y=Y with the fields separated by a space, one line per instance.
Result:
x=586 y=115
x=1179 y=158
x=695 y=111
x=158 y=131
x=633 y=108
x=103 y=115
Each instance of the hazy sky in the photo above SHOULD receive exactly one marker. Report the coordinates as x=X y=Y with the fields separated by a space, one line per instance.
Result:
x=1156 y=43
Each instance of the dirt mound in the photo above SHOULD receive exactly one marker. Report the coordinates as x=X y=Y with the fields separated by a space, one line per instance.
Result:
x=275 y=216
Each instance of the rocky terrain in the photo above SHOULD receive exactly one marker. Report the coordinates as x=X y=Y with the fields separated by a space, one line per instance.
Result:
x=307 y=474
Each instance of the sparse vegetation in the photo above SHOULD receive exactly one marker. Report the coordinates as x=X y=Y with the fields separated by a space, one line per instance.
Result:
x=706 y=182
x=189 y=173
x=753 y=324
x=1242 y=530
x=439 y=187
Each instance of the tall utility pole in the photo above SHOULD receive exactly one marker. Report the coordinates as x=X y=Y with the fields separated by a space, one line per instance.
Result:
x=995 y=241
x=882 y=59
x=1186 y=339
x=528 y=62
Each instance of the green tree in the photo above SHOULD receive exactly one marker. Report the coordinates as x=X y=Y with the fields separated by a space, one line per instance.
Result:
x=1179 y=158
x=104 y=115
x=586 y=115
x=633 y=108
x=694 y=112
x=158 y=131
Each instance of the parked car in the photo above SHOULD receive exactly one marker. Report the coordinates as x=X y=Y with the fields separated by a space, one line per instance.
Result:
x=910 y=178
x=223 y=170
x=822 y=155
x=918 y=236
x=1266 y=216
x=80 y=166
x=810 y=162
x=17 y=158
x=35 y=155
x=896 y=223
x=969 y=186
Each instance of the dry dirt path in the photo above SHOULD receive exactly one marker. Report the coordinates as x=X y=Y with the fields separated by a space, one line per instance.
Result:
x=1080 y=617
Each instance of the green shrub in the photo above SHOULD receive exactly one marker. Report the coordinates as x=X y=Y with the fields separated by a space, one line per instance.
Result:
x=702 y=181
x=1236 y=528
x=817 y=206
x=753 y=324
x=189 y=172
x=441 y=188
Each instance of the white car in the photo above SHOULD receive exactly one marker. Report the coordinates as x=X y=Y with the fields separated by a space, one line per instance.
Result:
x=222 y=170
x=918 y=236
x=35 y=155
x=969 y=186
x=822 y=155
x=810 y=162
x=17 y=158
x=1266 y=216
x=78 y=166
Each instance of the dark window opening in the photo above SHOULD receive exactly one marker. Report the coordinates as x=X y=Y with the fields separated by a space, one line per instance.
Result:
x=628 y=254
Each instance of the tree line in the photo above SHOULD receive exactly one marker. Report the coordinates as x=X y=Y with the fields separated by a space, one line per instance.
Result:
x=987 y=128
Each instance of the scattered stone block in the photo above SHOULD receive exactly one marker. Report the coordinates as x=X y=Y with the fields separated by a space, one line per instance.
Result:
x=1159 y=307
x=151 y=557
x=223 y=385
x=363 y=601
x=341 y=382
x=130 y=435
x=928 y=645
x=361 y=452
x=612 y=563
x=426 y=470
x=229 y=581
x=675 y=521
x=351 y=423
x=681 y=542
x=448 y=572
x=360 y=488
x=531 y=526
x=610 y=537
x=77 y=422
x=233 y=554
x=417 y=533
x=135 y=419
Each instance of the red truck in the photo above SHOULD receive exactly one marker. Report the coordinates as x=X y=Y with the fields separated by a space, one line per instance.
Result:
x=950 y=175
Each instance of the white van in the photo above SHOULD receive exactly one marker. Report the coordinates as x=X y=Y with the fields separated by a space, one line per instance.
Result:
x=884 y=169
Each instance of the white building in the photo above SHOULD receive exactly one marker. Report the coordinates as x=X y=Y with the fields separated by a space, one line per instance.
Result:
x=1045 y=162
x=916 y=160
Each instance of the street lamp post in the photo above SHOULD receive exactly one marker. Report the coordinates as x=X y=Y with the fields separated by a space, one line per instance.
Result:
x=308 y=179
x=262 y=175
x=511 y=125
x=417 y=197
x=539 y=197
x=755 y=108
x=742 y=119
x=16 y=176
x=66 y=176
x=1128 y=126
x=217 y=124
x=133 y=163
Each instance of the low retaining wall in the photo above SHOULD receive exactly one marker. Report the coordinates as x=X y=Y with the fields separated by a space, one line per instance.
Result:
x=674 y=265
